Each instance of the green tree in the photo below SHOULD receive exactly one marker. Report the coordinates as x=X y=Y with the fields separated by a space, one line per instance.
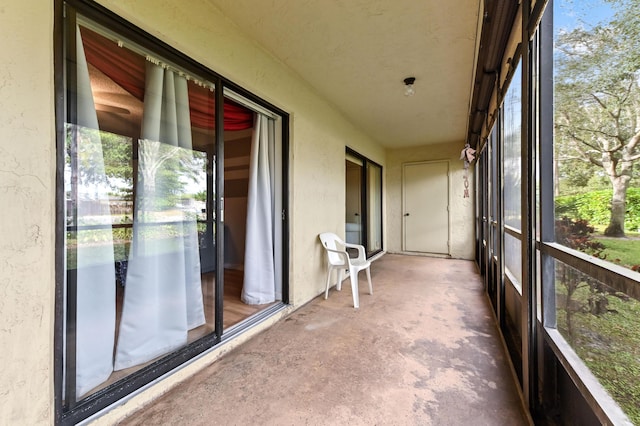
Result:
x=117 y=154
x=598 y=101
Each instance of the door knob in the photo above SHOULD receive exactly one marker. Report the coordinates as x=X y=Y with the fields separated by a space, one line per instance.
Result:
x=406 y=214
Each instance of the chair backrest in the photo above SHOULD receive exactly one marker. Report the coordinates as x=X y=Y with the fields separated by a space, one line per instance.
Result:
x=333 y=242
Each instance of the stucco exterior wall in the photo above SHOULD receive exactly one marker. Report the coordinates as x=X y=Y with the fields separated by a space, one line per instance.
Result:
x=319 y=134
x=461 y=218
x=27 y=200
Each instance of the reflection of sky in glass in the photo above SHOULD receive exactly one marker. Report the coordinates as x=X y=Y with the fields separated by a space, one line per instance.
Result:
x=511 y=156
x=197 y=181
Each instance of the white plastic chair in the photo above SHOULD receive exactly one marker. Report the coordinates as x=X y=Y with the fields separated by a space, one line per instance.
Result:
x=339 y=259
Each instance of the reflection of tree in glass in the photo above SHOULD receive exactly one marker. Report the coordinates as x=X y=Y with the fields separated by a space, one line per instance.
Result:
x=166 y=172
x=598 y=101
x=114 y=151
x=117 y=151
x=577 y=235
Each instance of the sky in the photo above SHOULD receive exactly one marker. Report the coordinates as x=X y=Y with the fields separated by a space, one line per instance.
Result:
x=569 y=14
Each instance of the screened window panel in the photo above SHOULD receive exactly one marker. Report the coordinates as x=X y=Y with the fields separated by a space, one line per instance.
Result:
x=513 y=257
x=511 y=155
x=601 y=325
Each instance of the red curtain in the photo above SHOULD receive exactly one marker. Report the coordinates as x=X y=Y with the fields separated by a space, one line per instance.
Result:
x=127 y=69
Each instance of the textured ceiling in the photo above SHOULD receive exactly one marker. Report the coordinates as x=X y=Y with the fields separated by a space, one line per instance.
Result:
x=356 y=53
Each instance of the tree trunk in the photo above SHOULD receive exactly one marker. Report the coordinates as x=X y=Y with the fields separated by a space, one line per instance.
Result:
x=619 y=172
x=618 y=207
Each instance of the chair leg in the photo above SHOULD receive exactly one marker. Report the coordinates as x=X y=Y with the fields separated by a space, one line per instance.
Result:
x=326 y=291
x=353 y=273
x=369 y=279
x=339 y=283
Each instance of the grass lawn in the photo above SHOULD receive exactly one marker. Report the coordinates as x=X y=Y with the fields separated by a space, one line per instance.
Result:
x=609 y=344
x=624 y=251
x=608 y=340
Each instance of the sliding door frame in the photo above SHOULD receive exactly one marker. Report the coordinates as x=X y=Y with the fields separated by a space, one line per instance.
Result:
x=72 y=411
x=364 y=200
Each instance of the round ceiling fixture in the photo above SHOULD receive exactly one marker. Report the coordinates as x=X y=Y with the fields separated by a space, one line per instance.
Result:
x=408 y=86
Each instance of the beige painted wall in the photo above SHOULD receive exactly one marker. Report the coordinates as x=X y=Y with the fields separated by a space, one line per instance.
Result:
x=319 y=135
x=460 y=209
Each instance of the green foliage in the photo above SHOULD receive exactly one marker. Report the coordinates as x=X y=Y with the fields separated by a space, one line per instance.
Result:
x=578 y=235
x=122 y=234
x=575 y=174
x=595 y=207
x=567 y=206
x=597 y=102
x=627 y=21
x=633 y=209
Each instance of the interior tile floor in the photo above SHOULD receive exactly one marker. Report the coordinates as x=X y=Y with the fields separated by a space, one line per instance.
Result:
x=423 y=349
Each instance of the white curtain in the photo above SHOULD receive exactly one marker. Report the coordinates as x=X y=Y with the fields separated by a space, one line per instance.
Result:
x=96 y=310
x=261 y=284
x=163 y=293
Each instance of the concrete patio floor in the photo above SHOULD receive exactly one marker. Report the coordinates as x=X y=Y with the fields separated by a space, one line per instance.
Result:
x=422 y=350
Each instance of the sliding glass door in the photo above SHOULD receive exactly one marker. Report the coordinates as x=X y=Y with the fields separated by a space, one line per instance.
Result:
x=363 y=202
x=173 y=211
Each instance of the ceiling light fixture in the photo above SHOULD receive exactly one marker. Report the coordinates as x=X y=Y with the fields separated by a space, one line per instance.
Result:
x=408 y=86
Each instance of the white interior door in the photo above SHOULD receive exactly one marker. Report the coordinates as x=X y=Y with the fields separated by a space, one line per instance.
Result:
x=426 y=207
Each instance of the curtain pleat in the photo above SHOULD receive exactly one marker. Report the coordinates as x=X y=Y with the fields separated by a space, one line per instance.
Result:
x=96 y=309
x=163 y=293
x=259 y=262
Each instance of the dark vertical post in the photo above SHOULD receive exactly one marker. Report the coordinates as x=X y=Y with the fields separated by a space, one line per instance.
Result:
x=60 y=225
x=498 y=222
x=547 y=169
x=72 y=135
x=285 y=209
x=364 y=207
x=219 y=207
x=528 y=209
x=547 y=192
